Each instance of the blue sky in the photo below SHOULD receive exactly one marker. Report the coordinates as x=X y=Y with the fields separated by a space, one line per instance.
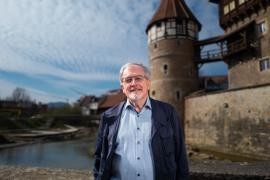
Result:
x=57 y=48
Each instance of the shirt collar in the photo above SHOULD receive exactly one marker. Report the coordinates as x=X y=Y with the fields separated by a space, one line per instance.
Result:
x=146 y=105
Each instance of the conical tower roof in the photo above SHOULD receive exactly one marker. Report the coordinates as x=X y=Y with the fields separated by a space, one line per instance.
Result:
x=172 y=9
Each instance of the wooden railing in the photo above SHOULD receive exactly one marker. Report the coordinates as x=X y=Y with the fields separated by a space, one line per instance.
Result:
x=236 y=46
x=213 y=54
x=224 y=51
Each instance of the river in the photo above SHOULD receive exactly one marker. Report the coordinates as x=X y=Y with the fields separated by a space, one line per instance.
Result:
x=66 y=154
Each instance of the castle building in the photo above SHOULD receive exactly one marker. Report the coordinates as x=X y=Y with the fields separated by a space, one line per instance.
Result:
x=245 y=46
x=236 y=120
x=172 y=33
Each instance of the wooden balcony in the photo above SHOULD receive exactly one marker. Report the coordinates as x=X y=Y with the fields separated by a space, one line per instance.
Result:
x=242 y=40
x=236 y=47
x=212 y=55
x=224 y=52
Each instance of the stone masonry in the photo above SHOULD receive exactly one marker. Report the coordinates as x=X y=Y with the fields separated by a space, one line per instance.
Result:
x=234 y=121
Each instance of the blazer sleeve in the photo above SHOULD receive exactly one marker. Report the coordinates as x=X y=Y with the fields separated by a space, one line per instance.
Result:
x=181 y=155
x=98 y=148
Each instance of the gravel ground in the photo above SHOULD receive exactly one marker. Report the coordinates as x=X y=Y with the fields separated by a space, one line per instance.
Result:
x=34 y=173
x=230 y=170
x=206 y=170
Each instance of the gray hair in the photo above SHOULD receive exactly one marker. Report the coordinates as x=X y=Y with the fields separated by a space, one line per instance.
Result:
x=147 y=72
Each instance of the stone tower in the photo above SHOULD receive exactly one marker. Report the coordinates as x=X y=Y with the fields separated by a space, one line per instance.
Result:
x=172 y=32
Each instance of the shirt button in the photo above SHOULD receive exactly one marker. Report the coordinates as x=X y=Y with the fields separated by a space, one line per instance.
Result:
x=138 y=128
x=138 y=142
x=138 y=158
x=138 y=174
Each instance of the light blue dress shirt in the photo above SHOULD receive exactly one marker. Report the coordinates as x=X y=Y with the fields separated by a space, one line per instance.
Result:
x=132 y=158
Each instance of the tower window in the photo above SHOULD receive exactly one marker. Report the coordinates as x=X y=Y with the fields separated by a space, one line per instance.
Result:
x=178 y=95
x=192 y=29
x=180 y=29
x=165 y=69
x=171 y=27
x=191 y=72
x=264 y=64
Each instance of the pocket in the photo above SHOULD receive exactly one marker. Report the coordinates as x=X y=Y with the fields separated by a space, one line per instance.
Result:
x=168 y=146
x=167 y=139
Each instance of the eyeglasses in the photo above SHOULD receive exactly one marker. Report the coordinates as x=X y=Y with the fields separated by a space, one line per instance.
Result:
x=137 y=79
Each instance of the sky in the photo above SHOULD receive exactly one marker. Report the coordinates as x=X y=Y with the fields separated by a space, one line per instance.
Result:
x=60 y=50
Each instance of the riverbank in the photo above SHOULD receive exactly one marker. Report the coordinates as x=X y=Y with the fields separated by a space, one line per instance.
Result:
x=202 y=166
x=207 y=170
x=50 y=135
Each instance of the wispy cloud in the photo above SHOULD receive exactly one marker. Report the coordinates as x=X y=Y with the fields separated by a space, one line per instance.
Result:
x=77 y=40
x=79 y=44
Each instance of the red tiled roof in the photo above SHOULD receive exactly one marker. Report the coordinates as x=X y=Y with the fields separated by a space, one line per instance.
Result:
x=86 y=100
x=216 y=79
x=172 y=9
x=111 y=99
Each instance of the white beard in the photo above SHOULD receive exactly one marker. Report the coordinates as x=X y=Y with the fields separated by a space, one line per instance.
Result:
x=135 y=96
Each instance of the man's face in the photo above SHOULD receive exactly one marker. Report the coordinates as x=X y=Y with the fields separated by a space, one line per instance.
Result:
x=134 y=83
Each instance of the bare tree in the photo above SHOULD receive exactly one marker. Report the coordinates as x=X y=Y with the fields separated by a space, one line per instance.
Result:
x=20 y=94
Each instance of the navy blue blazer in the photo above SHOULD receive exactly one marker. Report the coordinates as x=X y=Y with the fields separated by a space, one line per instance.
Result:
x=168 y=148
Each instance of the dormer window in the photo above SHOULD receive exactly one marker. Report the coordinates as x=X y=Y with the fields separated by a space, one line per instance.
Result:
x=232 y=6
x=226 y=9
x=229 y=7
x=241 y=2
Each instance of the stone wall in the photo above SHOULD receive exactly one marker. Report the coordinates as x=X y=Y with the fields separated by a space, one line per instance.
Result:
x=234 y=121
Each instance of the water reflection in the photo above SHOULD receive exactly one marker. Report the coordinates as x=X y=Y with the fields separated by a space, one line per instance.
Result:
x=67 y=154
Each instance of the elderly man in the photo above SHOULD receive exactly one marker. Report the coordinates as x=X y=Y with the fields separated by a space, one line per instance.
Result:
x=140 y=138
